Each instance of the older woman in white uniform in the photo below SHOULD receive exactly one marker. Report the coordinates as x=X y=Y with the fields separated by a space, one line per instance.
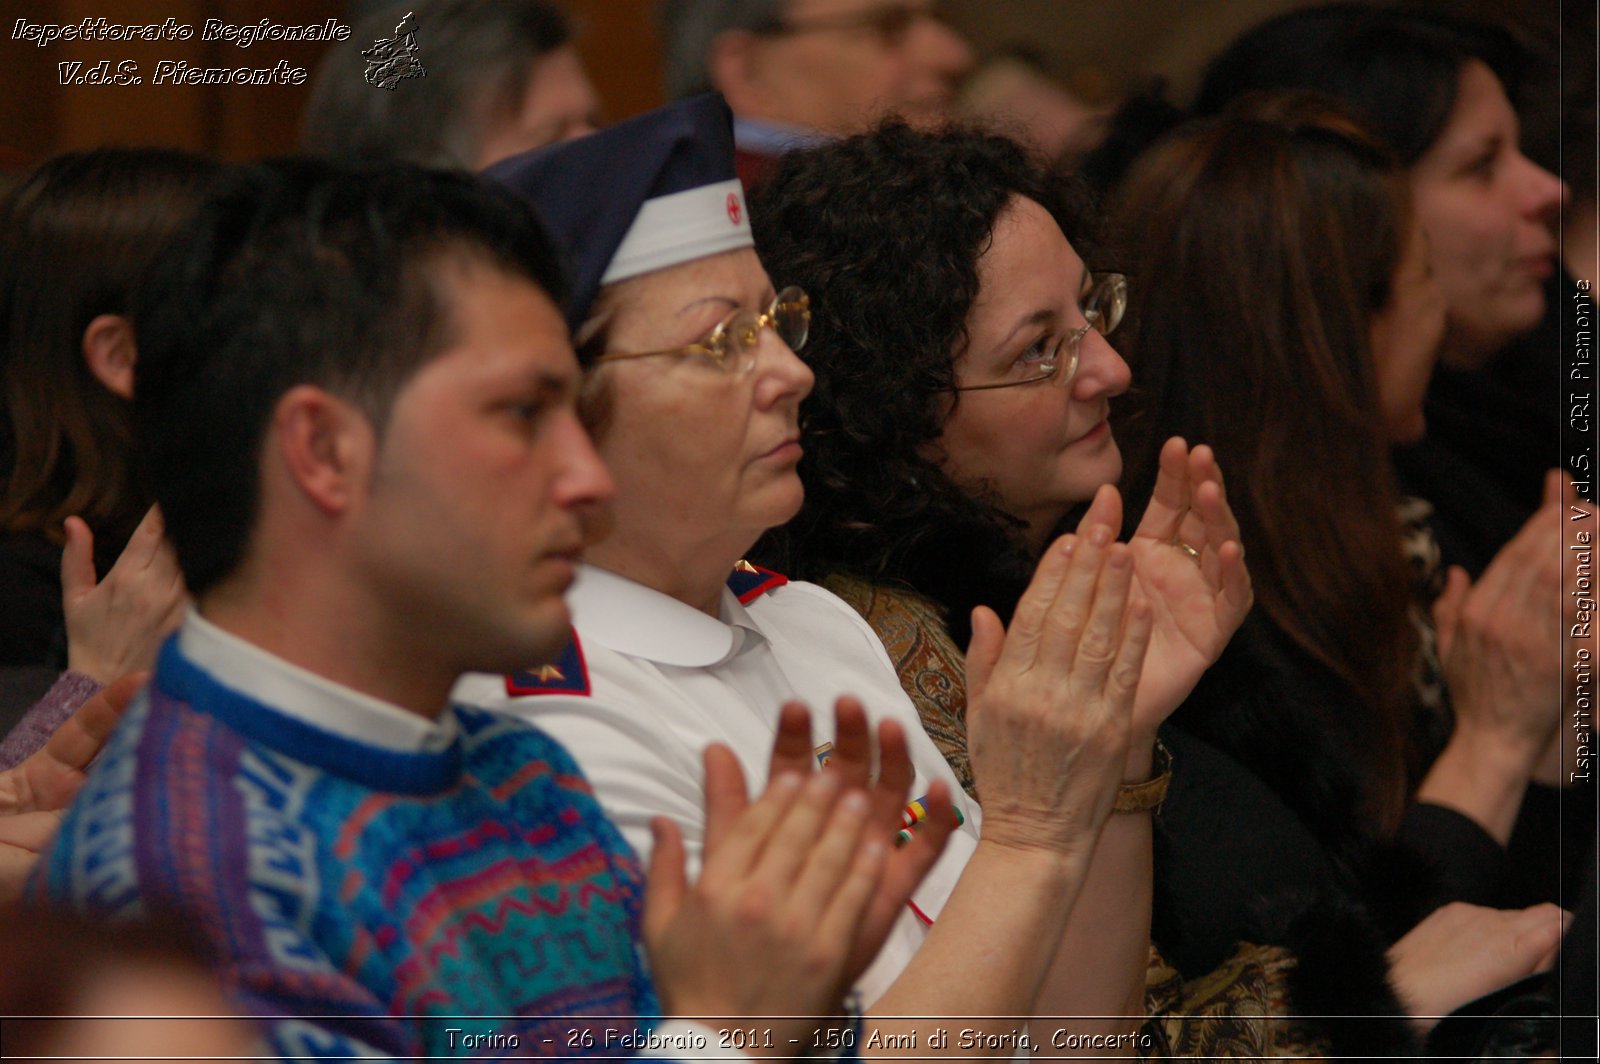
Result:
x=693 y=397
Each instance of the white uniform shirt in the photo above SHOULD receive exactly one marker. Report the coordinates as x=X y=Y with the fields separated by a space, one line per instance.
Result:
x=666 y=680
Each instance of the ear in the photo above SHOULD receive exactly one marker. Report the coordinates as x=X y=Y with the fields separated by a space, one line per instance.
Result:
x=109 y=350
x=733 y=65
x=326 y=446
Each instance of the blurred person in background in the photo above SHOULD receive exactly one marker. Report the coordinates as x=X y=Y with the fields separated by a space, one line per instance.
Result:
x=797 y=71
x=1015 y=94
x=1440 y=92
x=1288 y=223
x=502 y=77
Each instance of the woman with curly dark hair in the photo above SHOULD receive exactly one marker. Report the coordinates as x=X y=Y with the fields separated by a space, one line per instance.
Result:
x=900 y=290
x=959 y=418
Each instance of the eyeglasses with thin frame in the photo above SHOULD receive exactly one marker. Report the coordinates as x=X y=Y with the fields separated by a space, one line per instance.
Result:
x=891 y=22
x=1103 y=300
x=732 y=345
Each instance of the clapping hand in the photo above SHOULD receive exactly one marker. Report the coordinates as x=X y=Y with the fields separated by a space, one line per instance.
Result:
x=1049 y=701
x=1188 y=565
x=116 y=625
x=34 y=793
x=1499 y=641
x=797 y=889
x=887 y=790
x=1461 y=952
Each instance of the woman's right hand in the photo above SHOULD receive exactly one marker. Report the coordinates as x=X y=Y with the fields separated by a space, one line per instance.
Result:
x=1049 y=702
x=116 y=625
x=1461 y=952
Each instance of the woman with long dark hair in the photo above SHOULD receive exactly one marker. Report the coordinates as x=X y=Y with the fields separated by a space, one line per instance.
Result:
x=75 y=236
x=1294 y=323
x=1440 y=93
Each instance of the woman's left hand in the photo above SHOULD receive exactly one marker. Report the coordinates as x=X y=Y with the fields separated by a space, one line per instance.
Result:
x=884 y=773
x=1199 y=599
x=34 y=793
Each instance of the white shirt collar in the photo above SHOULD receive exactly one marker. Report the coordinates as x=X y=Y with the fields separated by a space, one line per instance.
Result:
x=299 y=693
x=766 y=137
x=633 y=619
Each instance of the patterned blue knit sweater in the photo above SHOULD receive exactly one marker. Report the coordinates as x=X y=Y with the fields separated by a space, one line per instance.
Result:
x=366 y=900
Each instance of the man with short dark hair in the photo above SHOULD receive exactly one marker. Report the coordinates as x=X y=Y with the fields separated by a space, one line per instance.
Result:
x=357 y=397
x=795 y=71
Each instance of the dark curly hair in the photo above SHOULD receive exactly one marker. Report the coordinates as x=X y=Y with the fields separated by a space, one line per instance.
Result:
x=884 y=230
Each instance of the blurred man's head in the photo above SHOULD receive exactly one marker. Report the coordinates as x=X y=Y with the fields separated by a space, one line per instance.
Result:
x=75 y=988
x=501 y=78
x=834 y=66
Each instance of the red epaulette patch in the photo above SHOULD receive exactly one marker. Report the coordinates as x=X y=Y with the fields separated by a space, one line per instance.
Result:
x=568 y=675
x=749 y=582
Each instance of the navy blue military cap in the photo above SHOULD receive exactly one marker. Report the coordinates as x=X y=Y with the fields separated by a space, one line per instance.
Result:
x=651 y=192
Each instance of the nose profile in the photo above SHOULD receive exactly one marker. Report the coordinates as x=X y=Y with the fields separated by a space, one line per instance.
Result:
x=942 y=49
x=1543 y=193
x=783 y=374
x=1102 y=371
x=583 y=479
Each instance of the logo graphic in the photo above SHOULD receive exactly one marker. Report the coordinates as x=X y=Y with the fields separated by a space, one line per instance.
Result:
x=391 y=60
x=734 y=212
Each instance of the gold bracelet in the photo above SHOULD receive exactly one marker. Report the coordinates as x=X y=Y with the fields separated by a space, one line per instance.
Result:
x=1147 y=797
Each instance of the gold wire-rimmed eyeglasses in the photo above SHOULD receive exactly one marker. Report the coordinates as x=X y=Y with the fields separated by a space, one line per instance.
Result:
x=732 y=345
x=1103 y=300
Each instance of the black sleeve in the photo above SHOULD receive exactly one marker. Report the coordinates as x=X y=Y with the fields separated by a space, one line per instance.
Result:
x=1551 y=844
x=1467 y=863
x=1223 y=841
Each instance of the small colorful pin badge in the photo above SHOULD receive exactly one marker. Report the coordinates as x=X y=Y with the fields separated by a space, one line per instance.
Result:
x=914 y=813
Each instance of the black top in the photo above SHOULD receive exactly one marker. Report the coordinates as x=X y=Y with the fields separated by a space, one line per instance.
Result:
x=32 y=628
x=1226 y=848
x=1493 y=433
x=1269 y=814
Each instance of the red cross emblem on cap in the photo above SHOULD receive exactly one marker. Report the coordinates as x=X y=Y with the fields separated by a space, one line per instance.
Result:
x=733 y=208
